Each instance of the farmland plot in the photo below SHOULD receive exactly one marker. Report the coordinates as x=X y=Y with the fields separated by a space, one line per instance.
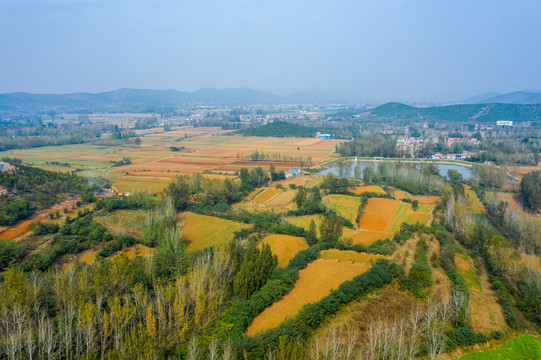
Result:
x=315 y=282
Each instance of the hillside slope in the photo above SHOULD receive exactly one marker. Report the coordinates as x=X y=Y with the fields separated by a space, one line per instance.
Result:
x=466 y=112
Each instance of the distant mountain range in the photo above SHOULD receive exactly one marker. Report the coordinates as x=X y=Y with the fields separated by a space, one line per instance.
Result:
x=155 y=100
x=517 y=97
x=455 y=113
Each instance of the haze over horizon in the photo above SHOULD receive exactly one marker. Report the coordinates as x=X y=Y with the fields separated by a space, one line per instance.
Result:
x=400 y=50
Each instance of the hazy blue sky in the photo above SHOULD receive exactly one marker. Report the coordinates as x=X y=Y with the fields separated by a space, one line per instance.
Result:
x=402 y=50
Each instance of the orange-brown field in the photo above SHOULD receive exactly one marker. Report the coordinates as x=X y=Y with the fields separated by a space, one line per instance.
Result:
x=383 y=217
x=315 y=282
x=425 y=199
x=367 y=237
x=378 y=214
x=201 y=231
x=284 y=246
x=350 y=256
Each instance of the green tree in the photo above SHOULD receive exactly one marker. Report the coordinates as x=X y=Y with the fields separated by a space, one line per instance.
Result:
x=179 y=192
x=357 y=172
x=300 y=196
x=311 y=237
x=330 y=229
x=530 y=190
x=454 y=175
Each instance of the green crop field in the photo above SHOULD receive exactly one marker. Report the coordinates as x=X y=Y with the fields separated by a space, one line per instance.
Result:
x=522 y=347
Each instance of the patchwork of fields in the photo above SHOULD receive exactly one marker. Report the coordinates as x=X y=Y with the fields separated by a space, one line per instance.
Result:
x=153 y=163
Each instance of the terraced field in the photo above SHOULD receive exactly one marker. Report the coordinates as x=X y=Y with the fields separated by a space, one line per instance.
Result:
x=315 y=282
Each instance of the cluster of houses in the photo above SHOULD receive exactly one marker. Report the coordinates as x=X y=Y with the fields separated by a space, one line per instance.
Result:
x=410 y=143
x=461 y=156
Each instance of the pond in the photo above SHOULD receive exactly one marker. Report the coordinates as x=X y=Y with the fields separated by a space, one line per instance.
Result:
x=464 y=170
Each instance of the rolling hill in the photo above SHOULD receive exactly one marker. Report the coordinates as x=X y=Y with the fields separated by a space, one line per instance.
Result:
x=457 y=113
x=516 y=97
x=153 y=100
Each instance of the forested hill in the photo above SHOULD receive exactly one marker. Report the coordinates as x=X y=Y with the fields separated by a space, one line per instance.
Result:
x=465 y=112
x=280 y=129
x=29 y=189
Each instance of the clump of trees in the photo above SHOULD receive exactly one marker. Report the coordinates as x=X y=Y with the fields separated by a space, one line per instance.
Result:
x=530 y=190
x=369 y=145
x=279 y=129
x=488 y=175
x=336 y=185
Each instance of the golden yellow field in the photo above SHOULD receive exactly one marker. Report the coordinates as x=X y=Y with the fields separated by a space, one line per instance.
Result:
x=266 y=195
x=344 y=205
x=367 y=188
x=284 y=246
x=315 y=282
x=201 y=231
x=350 y=256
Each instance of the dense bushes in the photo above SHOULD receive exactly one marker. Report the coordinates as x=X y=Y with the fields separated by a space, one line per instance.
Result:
x=44 y=229
x=256 y=267
x=12 y=210
x=116 y=245
x=420 y=274
x=135 y=201
x=10 y=253
x=73 y=237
